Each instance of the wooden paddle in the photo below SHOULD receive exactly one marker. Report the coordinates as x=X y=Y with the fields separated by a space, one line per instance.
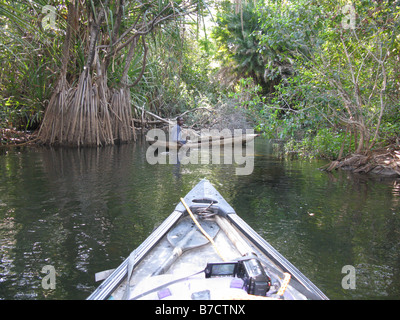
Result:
x=186 y=236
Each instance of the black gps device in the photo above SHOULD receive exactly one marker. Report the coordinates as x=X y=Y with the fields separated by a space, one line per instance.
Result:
x=256 y=281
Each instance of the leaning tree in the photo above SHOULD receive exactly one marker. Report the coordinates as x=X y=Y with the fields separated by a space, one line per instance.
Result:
x=91 y=105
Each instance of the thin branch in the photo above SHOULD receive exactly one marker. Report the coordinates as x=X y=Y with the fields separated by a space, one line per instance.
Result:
x=148 y=26
x=145 y=48
x=94 y=34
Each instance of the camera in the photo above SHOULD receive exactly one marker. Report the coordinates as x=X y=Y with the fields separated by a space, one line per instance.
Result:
x=256 y=280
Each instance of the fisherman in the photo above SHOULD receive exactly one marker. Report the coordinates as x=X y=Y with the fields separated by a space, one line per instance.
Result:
x=176 y=132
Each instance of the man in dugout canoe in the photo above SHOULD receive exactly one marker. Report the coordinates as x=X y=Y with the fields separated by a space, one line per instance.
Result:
x=176 y=132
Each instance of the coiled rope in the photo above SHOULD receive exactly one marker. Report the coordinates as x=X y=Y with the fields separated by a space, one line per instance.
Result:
x=202 y=230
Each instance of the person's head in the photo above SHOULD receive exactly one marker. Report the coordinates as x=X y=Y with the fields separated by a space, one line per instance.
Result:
x=179 y=120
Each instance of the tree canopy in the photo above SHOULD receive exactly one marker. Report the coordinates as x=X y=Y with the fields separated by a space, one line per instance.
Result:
x=321 y=74
x=336 y=65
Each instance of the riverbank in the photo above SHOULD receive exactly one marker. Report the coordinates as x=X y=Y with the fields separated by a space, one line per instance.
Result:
x=13 y=137
x=384 y=161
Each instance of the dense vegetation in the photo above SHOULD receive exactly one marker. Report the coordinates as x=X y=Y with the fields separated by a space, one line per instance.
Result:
x=337 y=68
x=321 y=75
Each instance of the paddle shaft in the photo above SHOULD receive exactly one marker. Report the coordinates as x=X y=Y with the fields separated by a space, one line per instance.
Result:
x=233 y=235
x=202 y=230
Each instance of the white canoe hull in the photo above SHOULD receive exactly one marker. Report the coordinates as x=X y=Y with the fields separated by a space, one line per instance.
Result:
x=186 y=278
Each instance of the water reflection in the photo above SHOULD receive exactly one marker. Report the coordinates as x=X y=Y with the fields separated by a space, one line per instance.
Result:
x=84 y=210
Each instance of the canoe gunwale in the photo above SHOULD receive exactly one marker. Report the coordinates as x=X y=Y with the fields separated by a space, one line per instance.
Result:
x=276 y=257
x=119 y=275
x=204 y=192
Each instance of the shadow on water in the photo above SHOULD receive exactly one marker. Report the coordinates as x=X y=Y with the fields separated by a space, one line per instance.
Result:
x=84 y=210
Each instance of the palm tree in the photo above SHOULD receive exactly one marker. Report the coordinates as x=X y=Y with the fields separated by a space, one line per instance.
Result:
x=91 y=101
x=238 y=27
x=94 y=111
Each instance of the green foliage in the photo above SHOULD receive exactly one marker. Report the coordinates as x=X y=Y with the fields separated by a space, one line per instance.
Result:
x=323 y=144
x=247 y=93
x=29 y=59
x=342 y=78
x=239 y=49
x=177 y=76
x=390 y=129
x=175 y=79
x=290 y=65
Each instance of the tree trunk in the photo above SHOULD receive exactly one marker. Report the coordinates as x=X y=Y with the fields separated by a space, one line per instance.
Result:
x=360 y=146
x=90 y=114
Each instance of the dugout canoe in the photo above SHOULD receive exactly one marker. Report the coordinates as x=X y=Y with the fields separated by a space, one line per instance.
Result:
x=204 y=251
x=203 y=142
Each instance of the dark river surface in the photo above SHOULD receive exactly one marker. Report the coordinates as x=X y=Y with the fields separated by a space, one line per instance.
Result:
x=83 y=211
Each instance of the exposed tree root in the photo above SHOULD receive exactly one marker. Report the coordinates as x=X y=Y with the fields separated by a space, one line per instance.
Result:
x=383 y=161
x=88 y=115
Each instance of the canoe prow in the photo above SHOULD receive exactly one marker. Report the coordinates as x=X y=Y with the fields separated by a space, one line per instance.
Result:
x=202 y=194
x=140 y=276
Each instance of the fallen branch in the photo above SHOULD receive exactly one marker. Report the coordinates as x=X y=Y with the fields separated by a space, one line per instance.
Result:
x=148 y=121
x=198 y=108
x=156 y=116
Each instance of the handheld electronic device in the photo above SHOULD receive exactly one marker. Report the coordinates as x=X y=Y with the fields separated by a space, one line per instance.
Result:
x=256 y=281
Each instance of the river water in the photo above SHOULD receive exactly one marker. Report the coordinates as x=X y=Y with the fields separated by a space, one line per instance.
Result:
x=83 y=211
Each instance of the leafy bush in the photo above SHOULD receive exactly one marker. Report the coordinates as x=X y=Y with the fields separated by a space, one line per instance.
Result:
x=325 y=144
